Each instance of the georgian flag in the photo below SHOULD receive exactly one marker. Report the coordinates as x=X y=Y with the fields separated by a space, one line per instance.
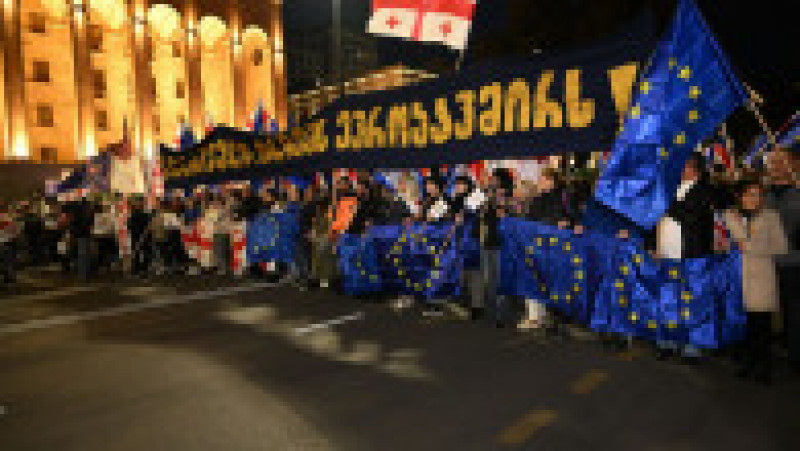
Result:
x=443 y=21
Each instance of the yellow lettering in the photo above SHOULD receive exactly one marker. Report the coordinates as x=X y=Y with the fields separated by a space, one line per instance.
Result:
x=397 y=126
x=465 y=129
x=343 y=121
x=580 y=113
x=622 y=79
x=491 y=119
x=547 y=112
x=419 y=134
x=359 y=119
x=376 y=137
x=442 y=131
x=518 y=107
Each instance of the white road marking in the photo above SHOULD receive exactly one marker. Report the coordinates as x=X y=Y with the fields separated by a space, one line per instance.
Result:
x=63 y=320
x=329 y=323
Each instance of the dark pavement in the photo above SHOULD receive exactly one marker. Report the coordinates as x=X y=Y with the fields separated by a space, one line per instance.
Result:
x=206 y=363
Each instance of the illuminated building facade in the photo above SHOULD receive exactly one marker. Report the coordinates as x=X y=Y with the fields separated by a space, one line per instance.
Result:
x=74 y=70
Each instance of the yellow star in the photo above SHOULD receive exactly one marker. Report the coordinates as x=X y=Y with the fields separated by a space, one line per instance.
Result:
x=401 y=272
x=577 y=260
x=652 y=324
x=530 y=249
x=424 y=239
x=694 y=92
x=568 y=298
x=693 y=116
x=567 y=247
x=672 y=62
x=620 y=285
x=633 y=317
x=576 y=288
x=542 y=287
x=645 y=87
x=373 y=277
x=637 y=259
x=363 y=273
x=664 y=152
x=672 y=324
x=417 y=286
x=635 y=111
x=685 y=73
x=687 y=296
x=579 y=275
x=554 y=297
x=673 y=273
x=553 y=240
x=623 y=301
x=686 y=313
x=624 y=270
x=428 y=284
x=529 y=261
x=680 y=139
x=403 y=239
x=539 y=241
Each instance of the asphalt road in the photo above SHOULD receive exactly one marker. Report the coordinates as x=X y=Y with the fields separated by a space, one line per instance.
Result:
x=206 y=363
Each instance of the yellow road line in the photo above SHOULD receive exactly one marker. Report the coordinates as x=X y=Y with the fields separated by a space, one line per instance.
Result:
x=630 y=355
x=588 y=382
x=526 y=427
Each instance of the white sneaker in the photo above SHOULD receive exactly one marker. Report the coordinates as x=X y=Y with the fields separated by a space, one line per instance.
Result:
x=323 y=283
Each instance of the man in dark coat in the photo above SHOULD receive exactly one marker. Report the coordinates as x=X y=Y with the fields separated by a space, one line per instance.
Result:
x=687 y=231
x=80 y=227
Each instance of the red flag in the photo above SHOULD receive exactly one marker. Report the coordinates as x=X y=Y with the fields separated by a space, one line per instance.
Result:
x=444 y=21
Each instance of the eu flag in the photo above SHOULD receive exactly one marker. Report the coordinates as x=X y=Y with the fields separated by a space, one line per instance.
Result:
x=272 y=237
x=687 y=90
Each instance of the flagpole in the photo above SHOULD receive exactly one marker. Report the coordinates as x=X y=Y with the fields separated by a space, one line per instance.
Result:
x=460 y=59
x=753 y=107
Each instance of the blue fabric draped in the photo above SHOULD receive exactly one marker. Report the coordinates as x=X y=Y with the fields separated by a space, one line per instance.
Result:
x=613 y=286
x=272 y=237
x=423 y=260
x=686 y=91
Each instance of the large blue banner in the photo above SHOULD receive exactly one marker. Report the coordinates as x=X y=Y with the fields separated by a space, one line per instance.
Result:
x=614 y=286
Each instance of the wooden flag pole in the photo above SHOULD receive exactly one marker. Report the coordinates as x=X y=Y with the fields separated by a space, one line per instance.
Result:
x=752 y=105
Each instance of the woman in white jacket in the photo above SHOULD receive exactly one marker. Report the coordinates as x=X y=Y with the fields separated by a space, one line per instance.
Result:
x=759 y=235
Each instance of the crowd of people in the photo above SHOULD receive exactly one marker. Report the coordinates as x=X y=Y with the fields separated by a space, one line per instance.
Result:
x=130 y=234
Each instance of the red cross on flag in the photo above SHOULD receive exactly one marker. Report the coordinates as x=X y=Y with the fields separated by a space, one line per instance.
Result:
x=444 y=21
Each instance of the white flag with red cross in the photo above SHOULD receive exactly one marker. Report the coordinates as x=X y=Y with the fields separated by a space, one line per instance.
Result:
x=444 y=21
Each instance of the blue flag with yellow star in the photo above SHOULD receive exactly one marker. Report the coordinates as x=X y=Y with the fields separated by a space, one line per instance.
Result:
x=358 y=263
x=547 y=264
x=422 y=260
x=613 y=286
x=272 y=237
x=696 y=301
x=686 y=91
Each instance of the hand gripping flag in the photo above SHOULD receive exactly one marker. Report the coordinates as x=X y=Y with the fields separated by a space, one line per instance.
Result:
x=686 y=91
x=443 y=21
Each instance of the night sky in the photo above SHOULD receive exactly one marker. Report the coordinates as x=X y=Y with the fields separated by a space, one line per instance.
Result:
x=755 y=36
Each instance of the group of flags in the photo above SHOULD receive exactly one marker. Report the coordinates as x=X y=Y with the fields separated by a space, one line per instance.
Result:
x=260 y=121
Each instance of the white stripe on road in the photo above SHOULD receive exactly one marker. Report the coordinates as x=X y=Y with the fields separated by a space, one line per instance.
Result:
x=63 y=320
x=329 y=323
